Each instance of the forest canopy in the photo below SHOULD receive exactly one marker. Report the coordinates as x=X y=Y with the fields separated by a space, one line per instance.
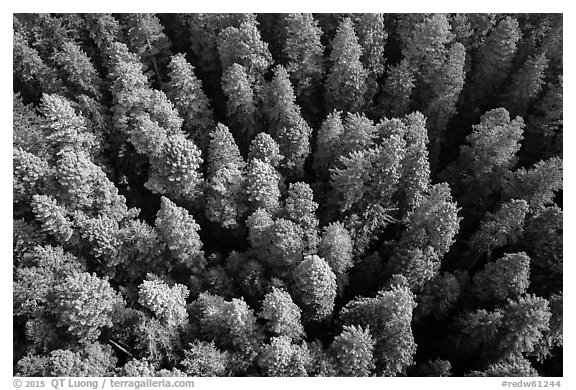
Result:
x=287 y=194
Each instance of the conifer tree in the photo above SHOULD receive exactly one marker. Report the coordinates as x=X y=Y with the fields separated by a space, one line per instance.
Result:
x=130 y=89
x=303 y=51
x=352 y=350
x=175 y=172
x=203 y=30
x=350 y=181
x=77 y=72
x=426 y=47
x=543 y=138
x=315 y=288
x=41 y=269
x=204 y=359
x=64 y=129
x=52 y=217
x=167 y=303
x=524 y=324
x=503 y=227
x=286 y=245
x=366 y=184
x=553 y=336
x=493 y=143
x=481 y=24
x=414 y=167
x=437 y=296
x=179 y=231
x=511 y=366
x=507 y=277
x=282 y=315
x=145 y=36
x=372 y=37
x=241 y=103
x=138 y=368
x=336 y=248
x=538 y=184
x=282 y=358
x=101 y=236
x=104 y=30
x=358 y=135
x=287 y=126
x=388 y=316
x=29 y=175
x=494 y=59
x=32 y=76
x=446 y=88
x=397 y=90
x=259 y=224
x=346 y=84
x=543 y=236
x=94 y=360
x=231 y=325
x=147 y=137
x=243 y=45
x=301 y=208
x=84 y=304
x=417 y=265
x=155 y=341
x=526 y=85
x=264 y=148
x=85 y=187
x=27 y=132
x=185 y=91
x=224 y=203
x=434 y=222
x=327 y=143
x=262 y=186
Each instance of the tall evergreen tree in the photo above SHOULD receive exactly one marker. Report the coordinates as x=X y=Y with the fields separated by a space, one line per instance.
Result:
x=77 y=71
x=503 y=227
x=225 y=179
x=446 y=88
x=493 y=60
x=86 y=303
x=282 y=315
x=301 y=208
x=286 y=124
x=241 y=104
x=176 y=171
x=507 y=277
x=167 y=303
x=315 y=288
x=526 y=85
x=543 y=138
x=414 y=167
x=388 y=316
x=178 y=229
x=397 y=90
x=346 y=84
x=537 y=185
x=282 y=358
x=304 y=51
x=434 y=222
x=327 y=143
x=243 y=45
x=372 y=37
x=145 y=36
x=262 y=186
x=352 y=350
x=264 y=148
x=185 y=91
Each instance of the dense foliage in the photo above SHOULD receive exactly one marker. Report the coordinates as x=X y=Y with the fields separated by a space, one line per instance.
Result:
x=287 y=194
